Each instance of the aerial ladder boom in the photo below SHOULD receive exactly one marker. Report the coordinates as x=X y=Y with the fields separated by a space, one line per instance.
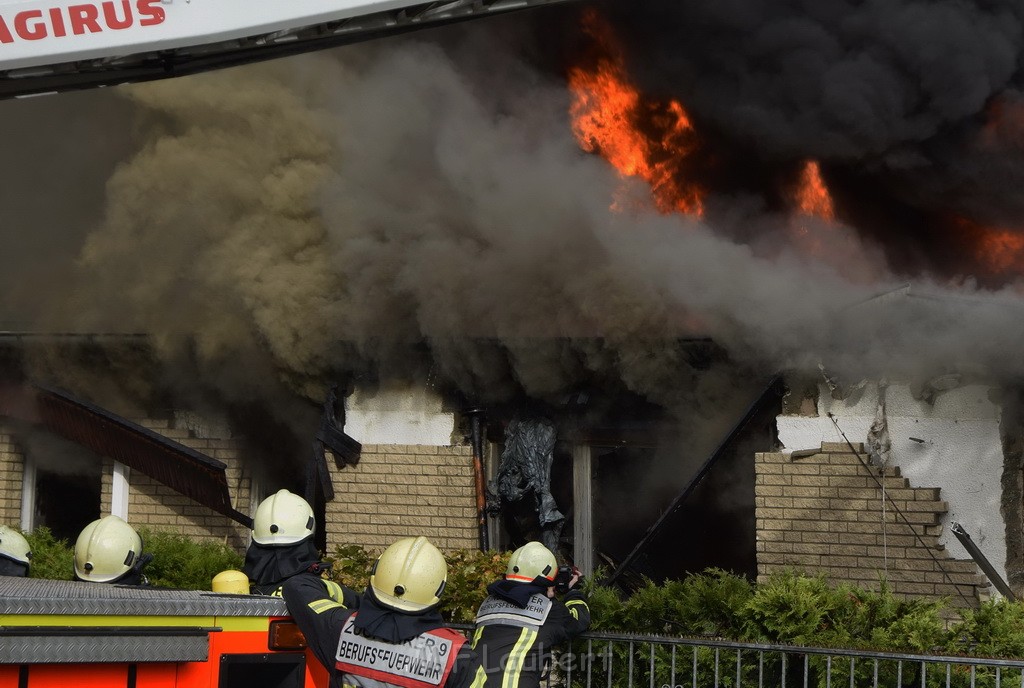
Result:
x=57 y=45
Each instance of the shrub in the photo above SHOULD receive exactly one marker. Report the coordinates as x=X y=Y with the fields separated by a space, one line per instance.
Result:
x=51 y=558
x=866 y=619
x=996 y=629
x=789 y=608
x=708 y=603
x=606 y=604
x=469 y=574
x=179 y=562
x=350 y=566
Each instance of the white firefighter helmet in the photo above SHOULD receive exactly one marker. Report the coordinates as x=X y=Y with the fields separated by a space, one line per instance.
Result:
x=283 y=518
x=13 y=545
x=409 y=575
x=531 y=561
x=106 y=549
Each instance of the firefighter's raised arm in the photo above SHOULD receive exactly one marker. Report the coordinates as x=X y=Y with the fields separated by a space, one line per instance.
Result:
x=318 y=614
x=396 y=626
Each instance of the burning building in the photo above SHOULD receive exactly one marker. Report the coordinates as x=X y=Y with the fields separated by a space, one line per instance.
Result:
x=524 y=213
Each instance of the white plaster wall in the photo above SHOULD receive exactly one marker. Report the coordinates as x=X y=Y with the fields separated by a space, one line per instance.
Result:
x=398 y=415
x=961 y=452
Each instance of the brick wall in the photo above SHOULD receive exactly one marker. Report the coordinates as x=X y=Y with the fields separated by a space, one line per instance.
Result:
x=11 y=470
x=822 y=514
x=395 y=491
x=400 y=491
x=158 y=507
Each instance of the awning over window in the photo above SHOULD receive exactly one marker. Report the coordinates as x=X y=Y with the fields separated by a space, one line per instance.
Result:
x=171 y=463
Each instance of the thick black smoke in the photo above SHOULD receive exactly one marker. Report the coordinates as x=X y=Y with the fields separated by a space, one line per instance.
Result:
x=274 y=226
x=832 y=79
x=912 y=107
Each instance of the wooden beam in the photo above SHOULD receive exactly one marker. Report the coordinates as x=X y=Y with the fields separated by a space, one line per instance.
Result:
x=582 y=508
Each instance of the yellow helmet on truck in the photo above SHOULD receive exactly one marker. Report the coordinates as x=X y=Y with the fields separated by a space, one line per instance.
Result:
x=231 y=582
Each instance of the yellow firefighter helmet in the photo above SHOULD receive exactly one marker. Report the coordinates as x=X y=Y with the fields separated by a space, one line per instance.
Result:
x=106 y=549
x=231 y=582
x=409 y=575
x=530 y=562
x=283 y=518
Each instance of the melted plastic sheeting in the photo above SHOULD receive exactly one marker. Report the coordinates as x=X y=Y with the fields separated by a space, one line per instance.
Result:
x=526 y=469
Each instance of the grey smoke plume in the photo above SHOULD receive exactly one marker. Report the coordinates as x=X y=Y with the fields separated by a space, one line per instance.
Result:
x=54 y=173
x=280 y=222
x=210 y=238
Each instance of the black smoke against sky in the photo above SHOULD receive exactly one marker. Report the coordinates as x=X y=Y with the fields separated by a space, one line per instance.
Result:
x=826 y=79
x=911 y=107
x=273 y=224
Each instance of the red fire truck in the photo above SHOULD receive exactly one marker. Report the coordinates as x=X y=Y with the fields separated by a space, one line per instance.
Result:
x=67 y=634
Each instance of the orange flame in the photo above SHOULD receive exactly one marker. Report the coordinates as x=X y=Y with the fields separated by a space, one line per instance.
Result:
x=812 y=196
x=999 y=251
x=1004 y=125
x=813 y=200
x=640 y=139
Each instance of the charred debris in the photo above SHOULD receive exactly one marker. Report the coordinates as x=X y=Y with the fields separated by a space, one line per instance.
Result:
x=670 y=476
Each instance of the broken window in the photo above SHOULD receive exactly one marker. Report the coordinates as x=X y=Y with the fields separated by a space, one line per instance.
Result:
x=63 y=482
x=524 y=483
x=66 y=503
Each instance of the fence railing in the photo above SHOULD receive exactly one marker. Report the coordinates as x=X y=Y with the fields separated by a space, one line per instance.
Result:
x=609 y=660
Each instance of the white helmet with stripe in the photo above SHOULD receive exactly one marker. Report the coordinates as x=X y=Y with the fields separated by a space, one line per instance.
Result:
x=530 y=562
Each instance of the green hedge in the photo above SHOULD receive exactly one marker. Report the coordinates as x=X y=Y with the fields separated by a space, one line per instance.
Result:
x=182 y=563
x=792 y=608
x=52 y=558
x=795 y=609
x=789 y=608
x=178 y=562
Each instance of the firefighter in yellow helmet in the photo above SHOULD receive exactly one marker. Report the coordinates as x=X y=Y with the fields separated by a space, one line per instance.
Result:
x=522 y=619
x=282 y=546
x=397 y=638
x=108 y=550
x=15 y=553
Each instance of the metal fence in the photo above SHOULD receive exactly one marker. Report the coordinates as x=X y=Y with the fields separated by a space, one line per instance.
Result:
x=609 y=660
